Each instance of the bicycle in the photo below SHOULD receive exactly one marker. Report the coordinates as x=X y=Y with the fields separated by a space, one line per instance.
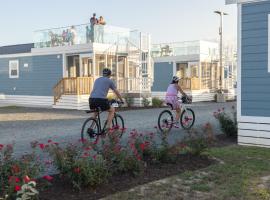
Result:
x=187 y=117
x=92 y=127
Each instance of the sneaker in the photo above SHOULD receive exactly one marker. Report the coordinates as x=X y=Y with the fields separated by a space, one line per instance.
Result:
x=91 y=132
x=176 y=124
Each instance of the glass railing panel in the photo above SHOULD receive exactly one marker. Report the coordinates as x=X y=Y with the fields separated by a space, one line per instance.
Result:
x=83 y=34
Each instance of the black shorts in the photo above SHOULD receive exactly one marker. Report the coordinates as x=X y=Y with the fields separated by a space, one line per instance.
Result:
x=103 y=104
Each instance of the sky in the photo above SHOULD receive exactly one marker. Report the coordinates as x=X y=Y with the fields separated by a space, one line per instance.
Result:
x=165 y=20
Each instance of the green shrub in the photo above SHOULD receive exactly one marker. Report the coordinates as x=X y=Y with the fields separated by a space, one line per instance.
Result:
x=156 y=102
x=196 y=143
x=129 y=100
x=227 y=123
x=80 y=164
x=145 y=102
x=15 y=172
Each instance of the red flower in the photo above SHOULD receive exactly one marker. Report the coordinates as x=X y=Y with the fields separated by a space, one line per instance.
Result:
x=26 y=179
x=1 y=146
x=48 y=178
x=77 y=170
x=88 y=149
x=49 y=141
x=142 y=146
x=138 y=157
x=13 y=179
x=17 y=188
x=41 y=146
x=95 y=157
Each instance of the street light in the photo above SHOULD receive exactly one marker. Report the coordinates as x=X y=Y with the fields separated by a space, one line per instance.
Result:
x=221 y=13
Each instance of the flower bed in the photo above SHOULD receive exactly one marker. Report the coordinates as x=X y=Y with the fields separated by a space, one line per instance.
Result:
x=91 y=170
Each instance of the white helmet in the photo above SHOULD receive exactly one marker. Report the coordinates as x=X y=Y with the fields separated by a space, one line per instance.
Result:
x=175 y=79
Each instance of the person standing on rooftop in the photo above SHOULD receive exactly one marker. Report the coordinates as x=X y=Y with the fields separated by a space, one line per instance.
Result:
x=93 y=22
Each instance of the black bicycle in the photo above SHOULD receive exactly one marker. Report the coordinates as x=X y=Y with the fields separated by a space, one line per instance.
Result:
x=92 y=127
x=187 y=118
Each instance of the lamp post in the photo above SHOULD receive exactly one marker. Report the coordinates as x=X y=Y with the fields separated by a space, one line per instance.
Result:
x=221 y=14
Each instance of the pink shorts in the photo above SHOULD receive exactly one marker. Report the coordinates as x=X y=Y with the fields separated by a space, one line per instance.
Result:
x=173 y=100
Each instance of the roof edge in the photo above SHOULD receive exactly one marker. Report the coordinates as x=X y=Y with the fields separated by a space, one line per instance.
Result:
x=241 y=1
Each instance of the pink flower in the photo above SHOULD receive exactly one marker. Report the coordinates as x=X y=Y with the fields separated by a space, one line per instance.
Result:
x=95 y=157
x=48 y=178
x=49 y=141
x=1 y=146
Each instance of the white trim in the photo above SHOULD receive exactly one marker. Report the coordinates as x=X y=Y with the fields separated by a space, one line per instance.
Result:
x=254 y=119
x=268 y=43
x=26 y=100
x=239 y=43
x=64 y=64
x=10 y=69
x=174 y=68
x=16 y=55
x=184 y=58
x=254 y=126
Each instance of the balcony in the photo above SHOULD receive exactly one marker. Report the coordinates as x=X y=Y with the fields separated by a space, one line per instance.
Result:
x=176 y=49
x=83 y=34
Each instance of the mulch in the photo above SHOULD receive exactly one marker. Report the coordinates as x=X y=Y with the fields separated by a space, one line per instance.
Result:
x=63 y=190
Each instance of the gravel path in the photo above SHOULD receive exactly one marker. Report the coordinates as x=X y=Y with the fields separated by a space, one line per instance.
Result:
x=23 y=125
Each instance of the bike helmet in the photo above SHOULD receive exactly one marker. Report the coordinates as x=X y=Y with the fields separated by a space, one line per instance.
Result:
x=107 y=72
x=175 y=79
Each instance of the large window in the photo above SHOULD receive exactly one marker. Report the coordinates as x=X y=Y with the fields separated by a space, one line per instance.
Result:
x=13 y=69
x=206 y=69
x=100 y=64
x=121 y=66
x=181 y=69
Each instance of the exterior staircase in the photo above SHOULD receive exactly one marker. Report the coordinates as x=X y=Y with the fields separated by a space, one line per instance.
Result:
x=74 y=102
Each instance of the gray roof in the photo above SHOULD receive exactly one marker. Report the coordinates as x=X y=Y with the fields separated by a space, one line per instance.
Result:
x=16 y=49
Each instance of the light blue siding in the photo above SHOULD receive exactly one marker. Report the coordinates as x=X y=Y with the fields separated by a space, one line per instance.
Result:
x=255 y=87
x=38 y=79
x=162 y=76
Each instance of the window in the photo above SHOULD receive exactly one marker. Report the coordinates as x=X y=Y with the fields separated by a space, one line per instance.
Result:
x=13 y=69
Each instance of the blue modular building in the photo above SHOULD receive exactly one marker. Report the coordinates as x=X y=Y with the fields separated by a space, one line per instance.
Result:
x=253 y=106
x=59 y=68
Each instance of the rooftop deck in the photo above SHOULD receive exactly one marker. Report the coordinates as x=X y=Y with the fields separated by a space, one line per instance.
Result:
x=84 y=34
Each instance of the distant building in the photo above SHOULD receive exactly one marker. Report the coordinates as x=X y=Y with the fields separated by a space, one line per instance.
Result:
x=197 y=64
x=253 y=85
x=58 y=70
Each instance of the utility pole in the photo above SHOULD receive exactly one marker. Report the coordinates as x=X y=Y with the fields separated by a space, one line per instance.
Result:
x=221 y=14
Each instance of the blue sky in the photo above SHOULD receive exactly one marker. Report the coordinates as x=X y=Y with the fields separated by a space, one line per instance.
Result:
x=165 y=20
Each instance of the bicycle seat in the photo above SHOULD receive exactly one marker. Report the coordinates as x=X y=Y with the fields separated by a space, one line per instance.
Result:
x=170 y=105
x=93 y=110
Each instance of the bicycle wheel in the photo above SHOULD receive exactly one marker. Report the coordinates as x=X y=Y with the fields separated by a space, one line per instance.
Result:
x=118 y=124
x=90 y=130
x=187 y=118
x=165 y=121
